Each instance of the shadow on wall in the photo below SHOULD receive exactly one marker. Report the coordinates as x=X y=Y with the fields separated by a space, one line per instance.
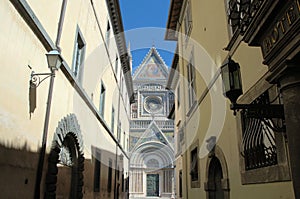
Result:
x=17 y=171
x=18 y=167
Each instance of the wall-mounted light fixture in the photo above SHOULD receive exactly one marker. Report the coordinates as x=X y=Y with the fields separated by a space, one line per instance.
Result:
x=54 y=61
x=232 y=89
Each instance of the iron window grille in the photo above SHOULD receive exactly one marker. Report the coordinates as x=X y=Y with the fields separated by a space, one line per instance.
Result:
x=241 y=12
x=258 y=139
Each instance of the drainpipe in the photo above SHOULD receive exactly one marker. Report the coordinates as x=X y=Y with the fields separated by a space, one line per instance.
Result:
x=116 y=165
x=44 y=140
x=60 y=24
x=37 y=190
x=184 y=130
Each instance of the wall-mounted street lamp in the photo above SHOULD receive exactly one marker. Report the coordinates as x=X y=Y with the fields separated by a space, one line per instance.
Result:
x=54 y=61
x=232 y=89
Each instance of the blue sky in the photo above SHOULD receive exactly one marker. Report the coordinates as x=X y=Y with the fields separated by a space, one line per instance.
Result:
x=144 y=24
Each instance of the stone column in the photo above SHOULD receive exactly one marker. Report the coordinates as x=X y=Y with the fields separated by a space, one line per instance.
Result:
x=290 y=90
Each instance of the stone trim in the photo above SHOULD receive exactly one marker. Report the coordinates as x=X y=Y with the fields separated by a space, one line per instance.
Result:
x=68 y=135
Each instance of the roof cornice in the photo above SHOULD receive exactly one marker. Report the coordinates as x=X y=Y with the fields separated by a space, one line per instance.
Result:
x=117 y=25
x=174 y=14
x=173 y=74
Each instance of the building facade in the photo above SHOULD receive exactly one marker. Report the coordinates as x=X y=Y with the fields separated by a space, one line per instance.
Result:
x=64 y=133
x=253 y=154
x=151 y=132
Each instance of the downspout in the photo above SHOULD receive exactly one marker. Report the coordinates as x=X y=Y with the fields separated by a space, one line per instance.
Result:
x=116 y=164
x=48 y=109
x=184 y=130
x=60 y=24
x=44 y=140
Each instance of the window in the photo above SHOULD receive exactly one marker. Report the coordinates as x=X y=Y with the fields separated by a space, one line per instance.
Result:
x=240 y=13
x=258 y=146
x=123 y=182
x=127 y=144
x=233 y=14
x=102 y=99
x=194 y=165
x=188 y=20
x=117 y=65
x=178 y=96
x=263 y=144
x=109 y=176
x=134 y=110
x=112 y=120
x=78 y=57
x=191 y=81
x=97 y=172
x=180 y=141
x=124 y=139
x=107 y=37
x=118 y=173
x=180 y=183
x=119 y=132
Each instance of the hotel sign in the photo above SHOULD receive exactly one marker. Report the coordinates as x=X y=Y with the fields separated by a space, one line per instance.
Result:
x=281 y=25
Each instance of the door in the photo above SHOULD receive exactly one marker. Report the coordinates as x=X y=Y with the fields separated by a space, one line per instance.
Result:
x=215 y=180
x=152 y=185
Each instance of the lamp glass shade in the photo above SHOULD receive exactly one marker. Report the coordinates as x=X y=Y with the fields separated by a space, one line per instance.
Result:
x=225 y=77
x=232 y=84
x=54 y=60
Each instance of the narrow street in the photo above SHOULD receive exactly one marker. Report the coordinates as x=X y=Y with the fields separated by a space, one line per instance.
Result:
x=172 y=99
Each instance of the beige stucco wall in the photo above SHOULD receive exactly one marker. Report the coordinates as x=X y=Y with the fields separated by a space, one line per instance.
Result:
x=209 y=30
x=20 y=48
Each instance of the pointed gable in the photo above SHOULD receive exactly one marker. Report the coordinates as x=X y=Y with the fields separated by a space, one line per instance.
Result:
x=153 y=133
x=152 y=67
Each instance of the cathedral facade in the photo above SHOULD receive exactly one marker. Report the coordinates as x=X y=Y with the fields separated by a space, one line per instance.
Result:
x=151 y=132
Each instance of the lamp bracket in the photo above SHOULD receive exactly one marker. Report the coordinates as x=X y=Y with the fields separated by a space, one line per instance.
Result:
x=36 y=80
x=259 y=111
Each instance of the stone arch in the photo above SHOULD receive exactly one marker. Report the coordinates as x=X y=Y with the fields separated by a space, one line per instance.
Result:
x=67 y=147
x=146 y=151
x=217 y=179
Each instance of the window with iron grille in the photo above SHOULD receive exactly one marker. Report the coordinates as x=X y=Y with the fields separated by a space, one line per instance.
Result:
x=258 y=139
x=241 y=12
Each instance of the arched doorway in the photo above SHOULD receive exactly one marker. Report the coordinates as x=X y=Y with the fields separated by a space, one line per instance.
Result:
x=66 y=161
x=215 y=177
x=151 y=166
x=217 y=184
